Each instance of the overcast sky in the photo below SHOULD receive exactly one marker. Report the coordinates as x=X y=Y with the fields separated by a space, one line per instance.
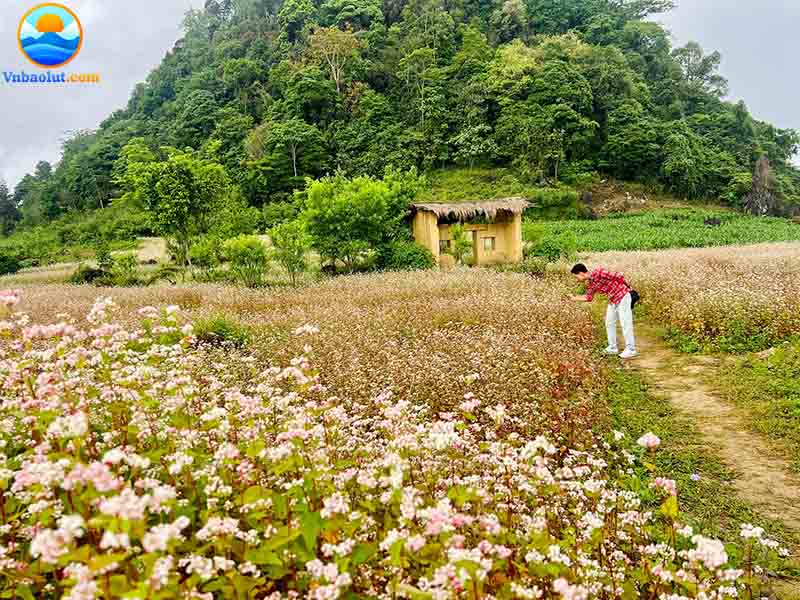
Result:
x=125 y=39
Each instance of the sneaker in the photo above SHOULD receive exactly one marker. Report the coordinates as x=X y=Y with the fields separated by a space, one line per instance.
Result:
x=629 y=354
x=611 y=351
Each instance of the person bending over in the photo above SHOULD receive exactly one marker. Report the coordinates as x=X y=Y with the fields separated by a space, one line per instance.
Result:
x=613 y=285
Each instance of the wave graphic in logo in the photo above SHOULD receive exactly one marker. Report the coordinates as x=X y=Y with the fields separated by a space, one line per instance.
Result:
x=50 y=35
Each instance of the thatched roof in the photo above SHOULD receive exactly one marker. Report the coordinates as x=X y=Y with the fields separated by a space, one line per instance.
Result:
x=469 y=210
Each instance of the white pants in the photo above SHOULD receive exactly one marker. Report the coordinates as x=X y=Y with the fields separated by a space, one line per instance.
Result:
x=624 y=313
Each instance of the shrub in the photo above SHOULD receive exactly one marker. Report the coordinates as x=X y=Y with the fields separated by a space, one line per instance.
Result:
x=535 y=266
x=554 y=203
x=86 y=275
x=124 y=270
x=249 y=260
x=103 y=256
x=554 y=248
x=348 y=218
x=166 y=272
x=205 y=253
x=406 y=256
x=9 y=263
x=291 y=243
x=275 y=213
x=460 y=245
x=540 y=243
x=222 y=330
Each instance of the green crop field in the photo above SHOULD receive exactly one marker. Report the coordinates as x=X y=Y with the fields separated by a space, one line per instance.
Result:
x=663 y=229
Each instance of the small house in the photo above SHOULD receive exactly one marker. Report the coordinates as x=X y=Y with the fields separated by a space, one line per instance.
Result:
x=494 y=226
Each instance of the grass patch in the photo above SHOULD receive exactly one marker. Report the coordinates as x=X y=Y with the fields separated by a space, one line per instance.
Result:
x=679 y=228
x=710 y=503
x=768 y=388
x=221 y=330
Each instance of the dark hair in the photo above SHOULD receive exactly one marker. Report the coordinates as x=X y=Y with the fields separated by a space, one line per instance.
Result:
x=579 y=268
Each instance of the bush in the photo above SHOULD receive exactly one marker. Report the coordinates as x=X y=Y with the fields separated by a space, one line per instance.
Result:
x=86 y=275
x=534 y=266
x=291 y=243
x=9 y=263
x=205 y=253
x=553 y=248
x=540 y=243
x=461 y=246
x=406 y=256
x=348 y=218
x=275 y=213
x=249 y=260
x=554 y=203
x=221 y=330
x=124 y=270
x=103 y=256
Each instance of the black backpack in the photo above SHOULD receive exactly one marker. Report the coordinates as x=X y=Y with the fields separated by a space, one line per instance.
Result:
x=634 y=298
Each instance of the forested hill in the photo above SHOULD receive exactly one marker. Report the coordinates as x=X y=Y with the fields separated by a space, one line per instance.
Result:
x=556 y=89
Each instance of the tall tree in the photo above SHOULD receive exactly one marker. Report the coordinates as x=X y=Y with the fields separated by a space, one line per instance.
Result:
x=700 y=70
x=336 y=49
x=181 y=194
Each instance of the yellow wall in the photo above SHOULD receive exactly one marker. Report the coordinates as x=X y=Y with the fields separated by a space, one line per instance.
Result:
x=507 y=231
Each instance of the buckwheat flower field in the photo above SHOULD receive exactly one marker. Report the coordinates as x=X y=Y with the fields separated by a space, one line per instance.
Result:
x=420 y=438
x=733 y=298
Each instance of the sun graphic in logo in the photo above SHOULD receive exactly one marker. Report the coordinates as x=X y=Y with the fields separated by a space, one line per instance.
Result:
x=50 y=35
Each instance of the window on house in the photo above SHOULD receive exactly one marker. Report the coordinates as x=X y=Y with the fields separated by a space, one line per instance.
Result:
x=489 y=244
x=444 y=245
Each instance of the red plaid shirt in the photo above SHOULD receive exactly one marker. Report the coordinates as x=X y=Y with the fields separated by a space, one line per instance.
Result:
x=613 y=285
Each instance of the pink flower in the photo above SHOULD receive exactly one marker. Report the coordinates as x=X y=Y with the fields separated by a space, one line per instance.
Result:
x=9 y=298
x=649 y=440
x=709 y=552
x=667 y=485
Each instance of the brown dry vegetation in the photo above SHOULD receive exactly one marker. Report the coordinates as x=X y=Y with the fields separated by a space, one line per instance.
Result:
x=422 y=335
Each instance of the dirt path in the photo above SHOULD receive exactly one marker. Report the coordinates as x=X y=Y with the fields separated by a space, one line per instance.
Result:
x=764 y=479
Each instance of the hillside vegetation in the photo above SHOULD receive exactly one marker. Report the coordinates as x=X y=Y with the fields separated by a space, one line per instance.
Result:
x=554 y=90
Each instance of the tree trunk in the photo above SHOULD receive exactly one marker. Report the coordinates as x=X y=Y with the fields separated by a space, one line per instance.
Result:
x=294 y=159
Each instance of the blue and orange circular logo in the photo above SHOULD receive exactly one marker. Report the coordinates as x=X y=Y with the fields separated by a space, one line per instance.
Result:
x=50 y=35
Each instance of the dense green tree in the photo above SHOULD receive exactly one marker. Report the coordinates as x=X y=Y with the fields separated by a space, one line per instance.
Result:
x=9 y=212
x=274 y=91
x=700 y=70
x=294 y=138
x=196 y=119
x=347 y=218
x=181 y=194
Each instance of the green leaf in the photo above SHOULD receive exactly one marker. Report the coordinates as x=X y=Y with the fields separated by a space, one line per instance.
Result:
x=24 y=592
x=254 y=493
x=119 y=585
x=311 y=524
x=99 y=563
x=414 y=593
x=255 y=449
x=283 y=538
x=395 y=554
x=263 y=556
x=363 y=552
